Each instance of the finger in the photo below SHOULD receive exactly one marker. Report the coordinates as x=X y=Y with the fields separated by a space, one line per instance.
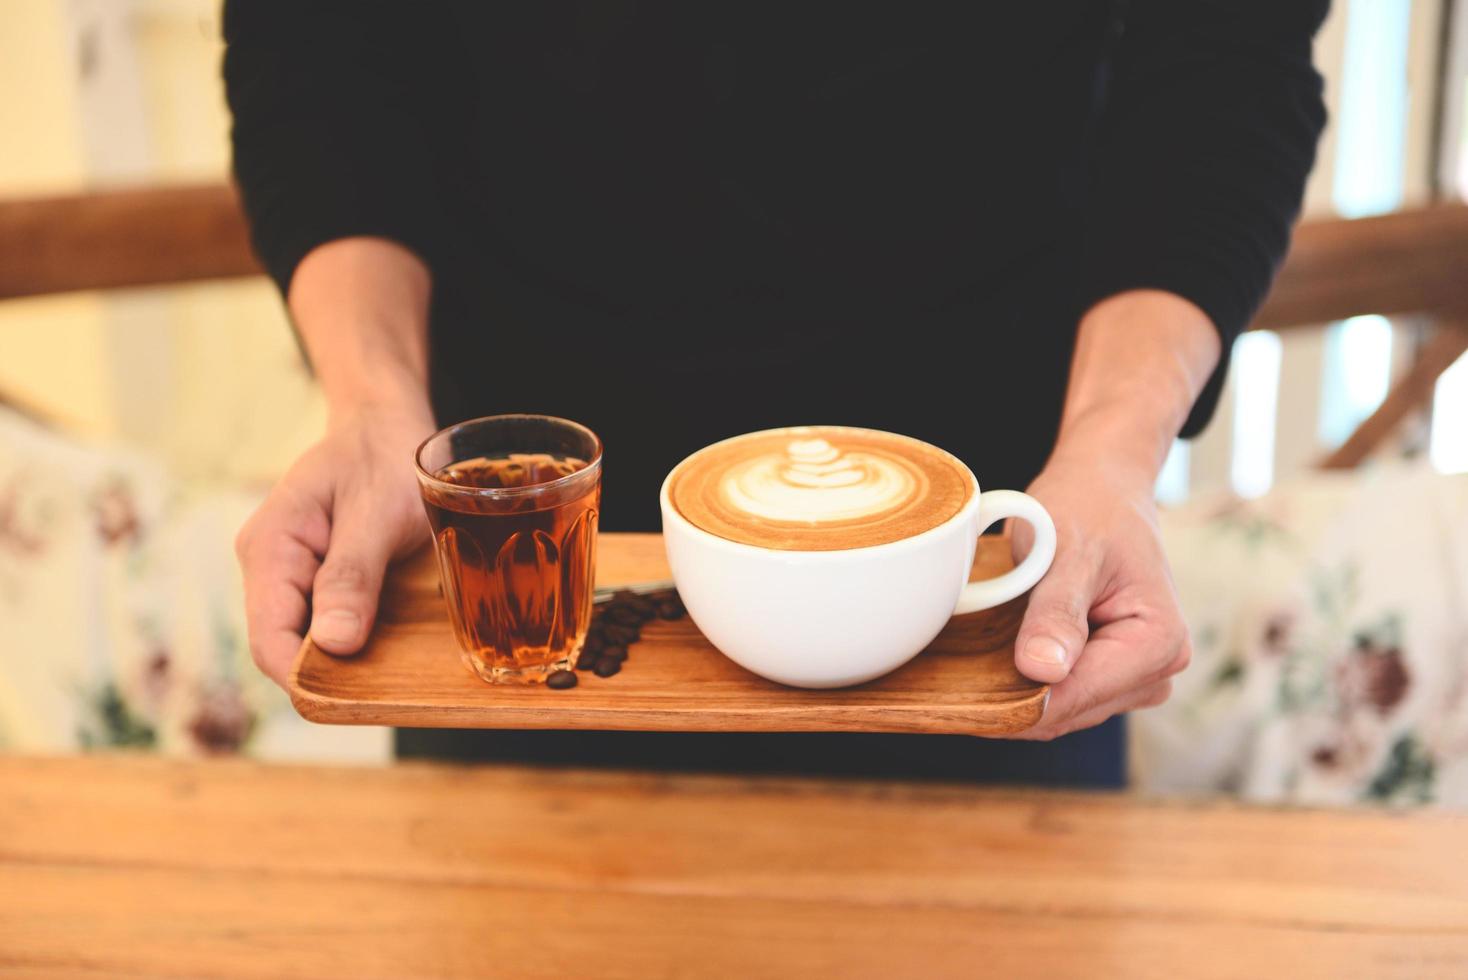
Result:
x=1149 y=696
x=1054 y=631
x=278 y=563
x=1122 y=658
x=1021 y=538
x=276 y=614
x=347 y=586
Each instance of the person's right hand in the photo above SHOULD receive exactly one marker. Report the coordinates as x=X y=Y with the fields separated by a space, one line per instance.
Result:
x=320 y=543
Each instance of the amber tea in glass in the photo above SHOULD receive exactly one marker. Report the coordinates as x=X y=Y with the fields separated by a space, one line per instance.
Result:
x=513 y=501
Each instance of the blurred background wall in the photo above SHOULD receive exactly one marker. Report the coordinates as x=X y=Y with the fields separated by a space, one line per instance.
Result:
x=97 y=93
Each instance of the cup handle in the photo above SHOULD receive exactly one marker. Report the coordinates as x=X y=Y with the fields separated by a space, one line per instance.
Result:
x=995 y=505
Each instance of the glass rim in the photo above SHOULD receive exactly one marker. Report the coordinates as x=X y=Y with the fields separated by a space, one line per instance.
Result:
x=427 y=479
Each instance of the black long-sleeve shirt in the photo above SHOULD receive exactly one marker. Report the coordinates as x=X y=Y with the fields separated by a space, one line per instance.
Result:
x=679 y=221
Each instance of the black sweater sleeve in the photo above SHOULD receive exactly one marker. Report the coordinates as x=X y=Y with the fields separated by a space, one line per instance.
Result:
x=329 y=100
x=1210 y=120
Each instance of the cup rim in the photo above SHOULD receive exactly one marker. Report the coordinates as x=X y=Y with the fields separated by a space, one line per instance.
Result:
x=427 y=479
x=671 y=512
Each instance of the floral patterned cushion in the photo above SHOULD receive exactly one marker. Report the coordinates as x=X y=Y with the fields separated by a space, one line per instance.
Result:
x=1330 y=627
x=121 y=623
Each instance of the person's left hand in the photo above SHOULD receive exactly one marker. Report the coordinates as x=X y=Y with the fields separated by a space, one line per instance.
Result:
x=1103 y=626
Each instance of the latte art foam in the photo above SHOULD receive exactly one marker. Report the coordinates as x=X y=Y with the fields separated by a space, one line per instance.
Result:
x=814 y=482
x=819 y=488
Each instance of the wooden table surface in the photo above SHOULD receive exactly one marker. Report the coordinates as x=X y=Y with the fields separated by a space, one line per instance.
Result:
x=132 y=866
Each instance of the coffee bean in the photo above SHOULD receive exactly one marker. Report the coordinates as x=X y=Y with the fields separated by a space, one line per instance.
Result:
x=594 y=642
x=560 y=680
x=625 y=616
x=607 y=666
x=615 y=652
x=671 y=609
x=642 y=605
x=619 y=634
x=587 y=659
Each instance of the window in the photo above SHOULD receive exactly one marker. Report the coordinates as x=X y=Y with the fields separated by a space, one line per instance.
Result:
x=1358 y=362
x=1449 y=446
x=1256 y=399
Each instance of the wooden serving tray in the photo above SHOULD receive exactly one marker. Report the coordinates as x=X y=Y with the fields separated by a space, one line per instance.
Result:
x=410 y=674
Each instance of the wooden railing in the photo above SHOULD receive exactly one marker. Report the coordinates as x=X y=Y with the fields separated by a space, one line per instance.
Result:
x=146 y=237
x=1413 y=261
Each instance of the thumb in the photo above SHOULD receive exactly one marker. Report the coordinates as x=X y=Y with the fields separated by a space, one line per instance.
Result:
x=346 y=588
x=1055 y=626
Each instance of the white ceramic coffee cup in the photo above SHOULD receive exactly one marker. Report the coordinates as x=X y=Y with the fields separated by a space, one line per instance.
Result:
x=835 y=618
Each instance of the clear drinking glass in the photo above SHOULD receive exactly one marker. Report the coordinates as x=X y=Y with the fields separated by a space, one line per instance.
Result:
x=513 y=501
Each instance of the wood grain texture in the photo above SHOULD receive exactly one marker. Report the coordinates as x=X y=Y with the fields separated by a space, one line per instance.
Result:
x=674 y=680
x=134 y=866
x=142 y=237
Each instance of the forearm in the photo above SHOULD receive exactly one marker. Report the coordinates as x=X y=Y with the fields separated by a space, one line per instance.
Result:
x=1141 y=359
x=361 y=306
